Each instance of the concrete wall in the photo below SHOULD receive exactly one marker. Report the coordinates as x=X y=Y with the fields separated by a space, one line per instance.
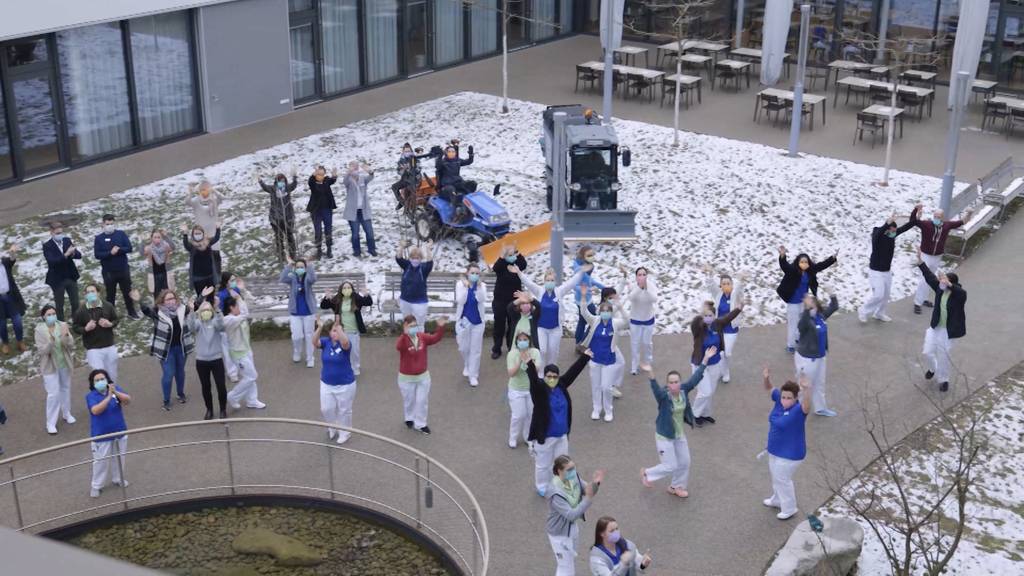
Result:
x=27 y=18
x=244 y=55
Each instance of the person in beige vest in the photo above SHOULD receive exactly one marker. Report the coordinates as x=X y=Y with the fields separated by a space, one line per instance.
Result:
x=56 y=347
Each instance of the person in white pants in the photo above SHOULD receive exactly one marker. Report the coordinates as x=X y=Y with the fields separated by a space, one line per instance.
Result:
x=787 y=445
x=642 y=297
x=607 y=364
x=236 y=327
x=519 y=401
x=106 y=401
x=948 y=323
x=883 y=246
x=810 y=357
x=798 y=278
x=724 y=294
x=55 y=346
x=470 y=311
x=412 y=299
x=549 y=324
x=707 y=331
x=934 y=233
x=551 y=419
x=413 y=375
x=95 y=321
x=669 y=427
x=337 y=380
x=300 y=278
x=569 y=498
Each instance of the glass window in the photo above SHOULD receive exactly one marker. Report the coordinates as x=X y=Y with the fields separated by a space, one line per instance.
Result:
x=303 y=62
x=565 y=17
x=484 y=24
x=447 y=31
x=339 y=26
x=592 y=23
x=300 y=5
x=6 y=168
x=25 y=52
x=36 y=122
x=95 y=85
x=381 y=40
x=542 y=23
x=163 y=71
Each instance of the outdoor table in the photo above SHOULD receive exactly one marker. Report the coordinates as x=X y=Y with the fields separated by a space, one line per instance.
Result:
x=683 y=80
x=646 y=73
x=883 y=112
x=712 y=48
x=1011 y=103
x=812 y=99
x=736 y=66
x=703 y=61
x=985 y=87
x=753 y=55
x=857 y=82
x=919 y=75
x=852 y=66
x=629 y=54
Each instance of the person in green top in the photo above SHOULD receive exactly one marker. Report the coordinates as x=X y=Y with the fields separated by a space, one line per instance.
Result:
x=673 y=415
x=519 y=388
x=236 y=327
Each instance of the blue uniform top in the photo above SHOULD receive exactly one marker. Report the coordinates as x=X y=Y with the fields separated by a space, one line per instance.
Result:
x=336 y=367
x=548 y=311
x=558 y=413
x=801 y=289
x=724 y=307
x=471 y=310
x=110 y=420
x=711 y=338
x=414 y=280
x=601 y=343
x=586 y=282
x=301 y=306
x=786 y=430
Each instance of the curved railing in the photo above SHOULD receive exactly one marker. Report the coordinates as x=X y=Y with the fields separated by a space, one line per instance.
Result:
x=49 y=489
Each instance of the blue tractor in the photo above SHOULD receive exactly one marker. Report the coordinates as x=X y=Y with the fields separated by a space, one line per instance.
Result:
x=480 y=219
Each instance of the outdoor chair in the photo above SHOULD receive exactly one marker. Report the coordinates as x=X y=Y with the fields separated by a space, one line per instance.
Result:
x=1015 y=118
x=641 y=85
x=995 y=110
x=879 y=95
x=816 y=70
x=867 y=123
x=911 y=101
x=587 y=76
x=805 y=111
x=771 y=104
x=668 y=88
x=725 y=74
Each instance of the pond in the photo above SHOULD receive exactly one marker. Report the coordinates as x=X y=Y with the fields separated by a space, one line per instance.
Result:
x=227 y=541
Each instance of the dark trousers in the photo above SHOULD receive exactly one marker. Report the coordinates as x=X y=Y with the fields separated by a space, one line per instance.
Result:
x=123 y=280
x=69 y=287
x=7 y=310
x=284 y=232
x=159 y=278
x=199 y=283
x=581 y=324
x=323 y=226
x=503 y=327
x=367 y=226
x=215 y=368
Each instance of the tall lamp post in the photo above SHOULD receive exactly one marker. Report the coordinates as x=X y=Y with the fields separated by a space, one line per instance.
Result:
x=953 y=139
x=798 y=90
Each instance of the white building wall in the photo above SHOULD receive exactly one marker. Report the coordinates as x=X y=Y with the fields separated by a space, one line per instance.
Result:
x=30 y=17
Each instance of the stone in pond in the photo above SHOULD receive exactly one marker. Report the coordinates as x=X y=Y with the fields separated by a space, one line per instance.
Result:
x=286 y=550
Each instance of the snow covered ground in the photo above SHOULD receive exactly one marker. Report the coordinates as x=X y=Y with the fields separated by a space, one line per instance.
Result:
x=991 y=543
x=711 y=201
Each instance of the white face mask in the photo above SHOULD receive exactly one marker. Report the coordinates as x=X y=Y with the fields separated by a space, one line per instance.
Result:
x=108 y=228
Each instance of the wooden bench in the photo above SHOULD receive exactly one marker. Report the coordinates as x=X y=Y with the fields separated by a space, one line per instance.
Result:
x=440 y=292
x=978 y=220
x=271 y=296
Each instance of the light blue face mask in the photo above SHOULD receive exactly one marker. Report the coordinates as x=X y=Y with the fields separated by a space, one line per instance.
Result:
x=890 y=234
x=50 y=319
x=549 y=286
x=522 y=344
x=233 y=285
x=91 y=297
x=937 y=221
x=413 y=330
x=100 y=386
x=474 y=277
x=510 y=259
x=606 y=315
x=570 y=475
x=300 y=271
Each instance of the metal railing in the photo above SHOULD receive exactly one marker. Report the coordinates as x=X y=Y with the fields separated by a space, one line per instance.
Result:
x=49 y=489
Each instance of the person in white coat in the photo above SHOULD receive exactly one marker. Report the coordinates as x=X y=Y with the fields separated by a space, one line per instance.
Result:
x=470 y=310
x=56 y=347
x=642 y=296
x=605 y=369
x=726 y=294
x=549 y=324
x=236 y=327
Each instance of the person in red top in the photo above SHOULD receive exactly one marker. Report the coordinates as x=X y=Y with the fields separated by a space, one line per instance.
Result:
x=413 y=376
x=933 y=245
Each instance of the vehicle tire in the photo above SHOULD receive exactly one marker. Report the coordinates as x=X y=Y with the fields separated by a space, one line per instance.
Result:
x=550 y=193
x=426 y=224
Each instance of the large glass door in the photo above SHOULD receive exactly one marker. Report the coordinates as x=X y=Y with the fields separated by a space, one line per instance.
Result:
x=303 y=40
x=33 y=111
x=417 y=38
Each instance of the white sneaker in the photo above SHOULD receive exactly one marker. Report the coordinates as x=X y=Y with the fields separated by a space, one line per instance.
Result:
x=595 y=415
x=94 y=493
x=121 y=483
x=474 y=382
x=785 y=515
x=616 y=393
x=51 y=431
x=296 y=359
x=607 y=416
x=862 y=317
x=356 y=371
x=257 y=405
x=512 y=444
x=726 y=379
x=883 y=317
x=342 y=438
x=632 y=372
x=70 y=419
x=770 y=503
x=465 y=373
x=310 y=364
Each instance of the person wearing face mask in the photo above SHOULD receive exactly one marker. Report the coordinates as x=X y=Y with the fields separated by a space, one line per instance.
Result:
x=347 y=304
x=948 y=322
x=470 y=300
x=207 y=325
x=236 y=328
x=605 y=370
x=62 y=275
x=300 y=276
x=203 y=266
x=723 y=294
x=416 y=263
x=12 y=305
x=549 y=297
x=934 y=233
x=708 y=332
x=883 y=245
x=787 y=445
x=448 y=167
x=206 y=213
x=111 y=247
x=337 y=380
x=172 y=339
x=56 y=348
x=569 y=498
x=157 y=252
x=506 y=284
x=413 y=376
x=523 y=315
x=642 y=296
x=321 y=208
x=234 y=287
x=282 y=213
x=106 y=402
x=584 y=257
x=357 y=206
x=95 y=321
x=519 y=401
x=408 y=168
x=812 y=347
x=551 y=419
x=798 y=278
x=613 y=555
x=669 y=428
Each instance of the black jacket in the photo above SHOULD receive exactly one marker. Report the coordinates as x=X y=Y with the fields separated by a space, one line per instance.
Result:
x=333 y=303
x=15 y=294
x=506 y=284
x=447 y=171
x=281 y=209
x=512 y=312
x=956 y=318
x=539 y=395
x=320 y=195
x=791 y=275
x=882 y=247
x=59 y=267
x=699 y=330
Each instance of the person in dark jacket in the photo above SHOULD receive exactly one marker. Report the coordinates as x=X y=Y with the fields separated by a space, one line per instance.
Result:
x=449 y=166
x=551 y=420
x=523 y=315
x=812 y=348
x=95 y=321
x=409 y=173
x=934 y=233
x=506 y=284
x=172 y=339
x=883 y=244
x=707 y=330
x=347 y=305
x=321 y=208
x=62 y=275
x=948 y=322
x=798 y=278
x=12 y=305
x=282 y=213
x=203 y=265
x=111 y=247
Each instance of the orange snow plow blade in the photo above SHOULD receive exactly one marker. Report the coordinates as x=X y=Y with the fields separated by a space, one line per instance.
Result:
x=532 y=240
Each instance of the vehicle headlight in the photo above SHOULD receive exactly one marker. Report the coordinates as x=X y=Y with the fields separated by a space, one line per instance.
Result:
x=498 y=218
x=575 y=187
x=615 y=186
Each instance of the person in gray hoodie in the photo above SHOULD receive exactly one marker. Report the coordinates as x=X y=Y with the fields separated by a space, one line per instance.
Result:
x=357 y=206
x=569 y=498
x=207 y=326
x=300 y=276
